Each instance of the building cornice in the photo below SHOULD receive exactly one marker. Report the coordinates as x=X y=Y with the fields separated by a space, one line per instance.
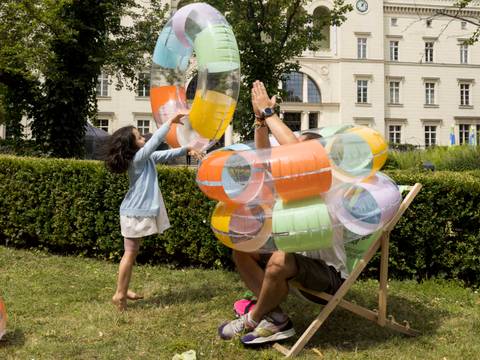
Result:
x=312 y=107
x=430 y=9
x=106 y=113
x=405 y=63
x=142 y=113
x=314 y=61
x=467 y=120
x=431 y=121
x=396 y=120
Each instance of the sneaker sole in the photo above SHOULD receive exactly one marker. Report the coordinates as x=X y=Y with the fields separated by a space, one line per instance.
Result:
x=282 y=335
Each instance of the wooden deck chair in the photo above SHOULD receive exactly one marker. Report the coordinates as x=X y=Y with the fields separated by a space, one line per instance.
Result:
x=358 y=255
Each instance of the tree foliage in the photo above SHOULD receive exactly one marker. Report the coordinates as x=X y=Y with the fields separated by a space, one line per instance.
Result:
x=460 y=6
x=270 y=35
x=51 y=53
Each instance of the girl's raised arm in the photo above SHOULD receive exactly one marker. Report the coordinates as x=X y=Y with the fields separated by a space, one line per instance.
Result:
x=158 y=136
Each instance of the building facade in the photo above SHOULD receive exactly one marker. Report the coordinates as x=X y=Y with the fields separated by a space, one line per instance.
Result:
x=396 y=66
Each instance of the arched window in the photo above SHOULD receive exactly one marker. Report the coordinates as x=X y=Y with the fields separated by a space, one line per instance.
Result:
x=293 y=85
x=321 y=23
x=313 y=91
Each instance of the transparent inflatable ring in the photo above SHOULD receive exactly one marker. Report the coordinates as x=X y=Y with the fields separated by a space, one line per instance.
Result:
x=196 y=39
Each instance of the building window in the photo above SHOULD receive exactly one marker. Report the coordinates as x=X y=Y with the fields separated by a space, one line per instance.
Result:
x=293 y=120
x=463 y=25
x=313 y=92
x=321 y=24
x=299 y=87
x=143 y=87
x=429 y=51
x=102 y=84
x=428 y=23
x=361 y=48
x=478 y=134
x=143 y=126
x=293 y=86
x=429 y=93
x=463 y=54
x=394 y=133
x=394 y=92
x=101 y=124
x=362 y=91
x=312 y=120
x=464 y=94
x=393 y=22
x=394 y=50
x=430 y=135
x=463 y=133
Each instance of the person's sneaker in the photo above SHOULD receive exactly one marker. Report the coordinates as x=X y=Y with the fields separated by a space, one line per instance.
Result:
x=269 y=330
x=236 y=327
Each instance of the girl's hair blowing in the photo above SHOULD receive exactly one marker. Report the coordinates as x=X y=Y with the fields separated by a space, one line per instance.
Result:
x=121 y=149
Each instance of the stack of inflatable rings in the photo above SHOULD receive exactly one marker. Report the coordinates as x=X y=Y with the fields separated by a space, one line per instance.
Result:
x=300 y=196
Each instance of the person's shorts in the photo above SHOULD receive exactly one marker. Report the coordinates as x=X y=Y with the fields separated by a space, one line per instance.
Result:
x=141 y=226
x=313 y=274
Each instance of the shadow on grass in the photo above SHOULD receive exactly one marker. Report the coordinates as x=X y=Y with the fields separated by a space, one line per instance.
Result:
x=188 y=293
x=12 y=338
x=347 y=331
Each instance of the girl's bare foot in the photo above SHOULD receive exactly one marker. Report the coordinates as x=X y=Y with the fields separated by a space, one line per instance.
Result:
x=120 y=303
x=133 y=296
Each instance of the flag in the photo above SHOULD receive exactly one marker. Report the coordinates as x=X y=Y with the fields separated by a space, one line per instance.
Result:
x=452 y=135
x=472 y=138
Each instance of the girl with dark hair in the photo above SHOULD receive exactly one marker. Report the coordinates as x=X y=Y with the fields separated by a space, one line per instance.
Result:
x=142 y=211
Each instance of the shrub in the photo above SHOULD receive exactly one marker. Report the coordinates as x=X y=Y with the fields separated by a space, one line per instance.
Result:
x=72 y=207
x=451 y=158
x=440 y=234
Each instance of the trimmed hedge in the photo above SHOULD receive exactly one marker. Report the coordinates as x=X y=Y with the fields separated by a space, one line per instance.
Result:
x=440 y=234
x=71 y=207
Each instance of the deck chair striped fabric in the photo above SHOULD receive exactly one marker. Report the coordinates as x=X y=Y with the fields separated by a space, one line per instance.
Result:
x=359 y=253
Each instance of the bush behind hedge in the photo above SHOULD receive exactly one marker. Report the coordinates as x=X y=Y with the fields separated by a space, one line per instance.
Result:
x=72 y=207
x=444 y=158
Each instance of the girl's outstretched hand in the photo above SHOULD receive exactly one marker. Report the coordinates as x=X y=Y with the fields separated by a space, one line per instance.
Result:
x=176 y=119
x=195 y=153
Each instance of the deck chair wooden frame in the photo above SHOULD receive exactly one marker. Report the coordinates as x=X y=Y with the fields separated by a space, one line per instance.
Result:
x=380 y=316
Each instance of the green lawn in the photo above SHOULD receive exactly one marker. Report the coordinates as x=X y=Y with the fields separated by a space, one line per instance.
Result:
x=59 y=309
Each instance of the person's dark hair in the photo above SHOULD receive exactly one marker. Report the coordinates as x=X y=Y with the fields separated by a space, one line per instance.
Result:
x=121 y=149
x=308 y=135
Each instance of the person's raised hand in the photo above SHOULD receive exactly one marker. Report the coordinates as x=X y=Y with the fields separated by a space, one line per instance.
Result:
x=179 y=115
x=260 y=98
x=195 y=153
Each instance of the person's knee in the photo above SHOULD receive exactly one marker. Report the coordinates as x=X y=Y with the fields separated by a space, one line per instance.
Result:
x=131 y=254
x=278 y=266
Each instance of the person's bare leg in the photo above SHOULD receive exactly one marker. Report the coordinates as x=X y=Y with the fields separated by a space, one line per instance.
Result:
x=119 y=299
x=280 y=268
x=250 y=272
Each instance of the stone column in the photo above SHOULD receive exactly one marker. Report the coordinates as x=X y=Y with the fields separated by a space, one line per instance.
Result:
x=304 y=124
x=229 y=135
